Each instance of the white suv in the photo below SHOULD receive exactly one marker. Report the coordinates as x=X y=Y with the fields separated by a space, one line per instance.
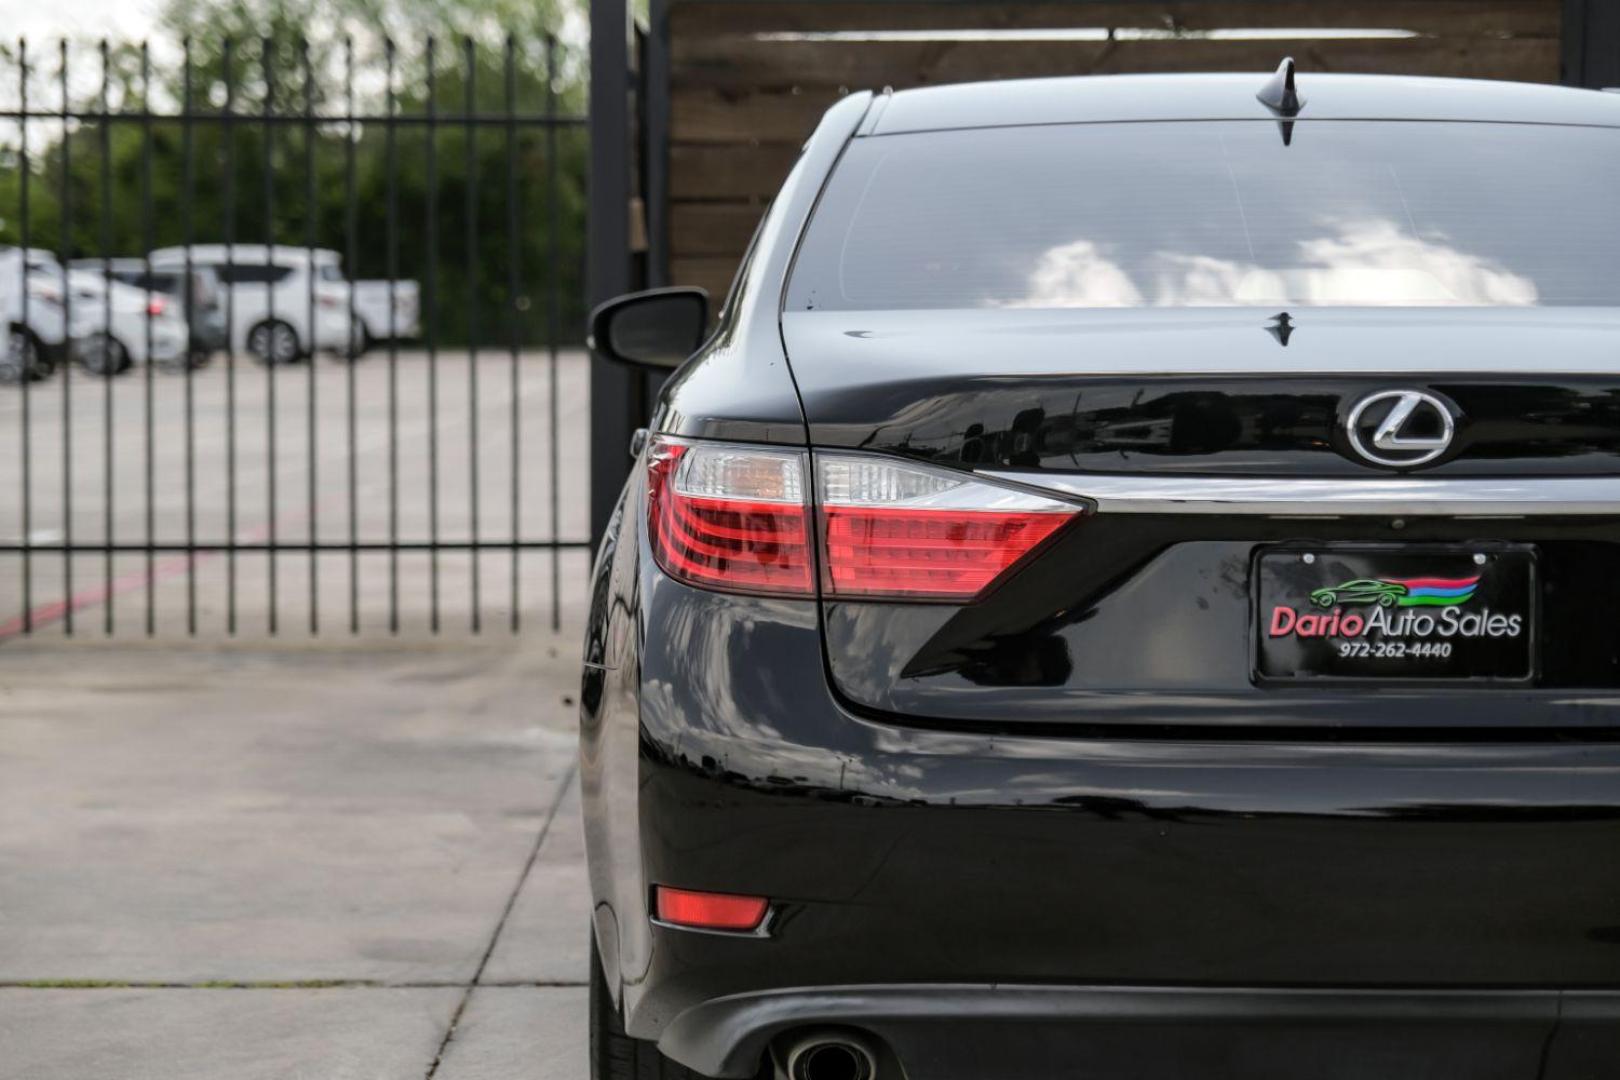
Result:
x=270 y=290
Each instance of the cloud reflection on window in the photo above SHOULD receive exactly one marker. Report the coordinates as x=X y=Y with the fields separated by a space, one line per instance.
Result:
x=1079 y=275
x=1369 y=263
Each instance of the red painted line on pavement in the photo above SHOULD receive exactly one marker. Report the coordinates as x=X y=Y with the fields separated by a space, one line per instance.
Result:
x=48 y=613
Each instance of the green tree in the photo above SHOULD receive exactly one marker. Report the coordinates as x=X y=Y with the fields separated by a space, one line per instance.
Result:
x=129 y=185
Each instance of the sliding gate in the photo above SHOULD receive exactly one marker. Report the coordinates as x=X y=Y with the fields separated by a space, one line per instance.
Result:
x=293 y=337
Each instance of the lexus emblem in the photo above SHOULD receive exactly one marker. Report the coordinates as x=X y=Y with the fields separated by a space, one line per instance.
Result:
x=1400 y=429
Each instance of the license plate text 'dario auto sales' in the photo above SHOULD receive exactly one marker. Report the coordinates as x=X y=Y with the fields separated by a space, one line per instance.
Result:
x=1359 y=612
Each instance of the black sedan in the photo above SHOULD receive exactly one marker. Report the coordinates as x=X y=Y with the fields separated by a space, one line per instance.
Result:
x=956 y=704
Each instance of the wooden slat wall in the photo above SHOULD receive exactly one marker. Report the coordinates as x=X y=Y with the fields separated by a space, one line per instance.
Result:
x=1482 y=17
x=743 y=101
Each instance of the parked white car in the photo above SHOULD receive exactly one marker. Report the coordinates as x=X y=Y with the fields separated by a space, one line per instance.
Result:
x=35 y=331
x=116 y=326
x=200 y=298
x=269 y=310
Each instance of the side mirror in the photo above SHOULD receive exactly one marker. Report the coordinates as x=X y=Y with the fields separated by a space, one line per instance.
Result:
x=655 y=329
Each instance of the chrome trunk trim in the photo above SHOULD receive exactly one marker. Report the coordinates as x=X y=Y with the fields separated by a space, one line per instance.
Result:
x=1399 y=496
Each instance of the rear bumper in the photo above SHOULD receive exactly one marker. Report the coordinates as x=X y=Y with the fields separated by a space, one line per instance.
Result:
x=333 y=329
x=1383 y=883
x=952 y=1032
x=406 y=327
x=168 y=344
x=1428 y=901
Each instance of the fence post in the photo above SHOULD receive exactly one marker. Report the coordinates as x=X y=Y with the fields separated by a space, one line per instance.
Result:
x=1591 y=43
x=608 y=245
x=655 y=117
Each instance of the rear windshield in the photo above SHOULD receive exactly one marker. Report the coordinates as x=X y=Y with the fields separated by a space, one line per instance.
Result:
x=1198 y=214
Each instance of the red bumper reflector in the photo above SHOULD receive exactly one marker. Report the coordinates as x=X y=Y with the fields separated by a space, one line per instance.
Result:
x=709 y=911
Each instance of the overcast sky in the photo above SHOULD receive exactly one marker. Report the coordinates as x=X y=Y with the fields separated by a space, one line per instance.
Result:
x=44 y=21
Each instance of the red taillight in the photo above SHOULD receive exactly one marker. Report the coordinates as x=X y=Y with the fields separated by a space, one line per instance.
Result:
x=730 y=518
x=156 y=305
x=736 y=518
x=709 y=911
x=927 y=553
x=894 y=529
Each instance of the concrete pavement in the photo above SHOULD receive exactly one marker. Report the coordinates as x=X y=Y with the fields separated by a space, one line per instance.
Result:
x=323 y=859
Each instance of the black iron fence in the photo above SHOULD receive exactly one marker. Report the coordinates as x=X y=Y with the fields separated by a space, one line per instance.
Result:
x=215 y=422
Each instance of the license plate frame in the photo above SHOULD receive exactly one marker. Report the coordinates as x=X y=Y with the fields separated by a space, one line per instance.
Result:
x=1420 y=580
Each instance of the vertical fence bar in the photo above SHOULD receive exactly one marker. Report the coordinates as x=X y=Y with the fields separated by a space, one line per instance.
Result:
x=66 y=201
x=148 y=243
x=228 y=126
x=109 y=359
x=431 y=288
x=312 y=511
x=26 y=374
x=654 y=139
x=513 y=311
x=392 y=155
x=553 y=324
x=272 y=353
x=470 y=131
x=352 y=228
x=188 y=192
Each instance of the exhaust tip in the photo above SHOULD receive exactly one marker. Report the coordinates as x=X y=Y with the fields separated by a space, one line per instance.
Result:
x=830 y=1057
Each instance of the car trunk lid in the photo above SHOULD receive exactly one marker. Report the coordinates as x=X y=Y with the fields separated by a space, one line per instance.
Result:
x=1147 y=615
